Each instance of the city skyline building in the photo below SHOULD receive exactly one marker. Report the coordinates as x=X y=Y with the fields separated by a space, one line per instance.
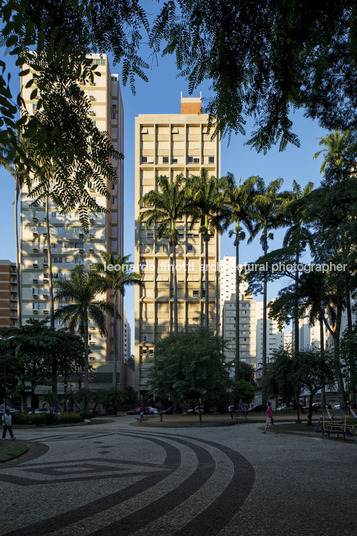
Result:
x=275 y=337
x=70 y=245
x=247 y=330
x=172 y=144
x=228 y=281
x=8 y=294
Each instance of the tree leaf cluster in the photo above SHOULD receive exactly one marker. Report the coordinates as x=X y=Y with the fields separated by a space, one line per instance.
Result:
x=189 y=367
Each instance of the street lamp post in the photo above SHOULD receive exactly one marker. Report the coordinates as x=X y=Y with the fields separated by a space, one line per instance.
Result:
x=5 y=339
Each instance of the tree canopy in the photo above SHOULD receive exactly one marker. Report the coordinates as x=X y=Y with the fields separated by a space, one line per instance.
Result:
x=189 y=367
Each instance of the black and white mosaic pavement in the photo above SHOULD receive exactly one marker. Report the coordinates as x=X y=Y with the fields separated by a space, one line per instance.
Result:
x=115 y=479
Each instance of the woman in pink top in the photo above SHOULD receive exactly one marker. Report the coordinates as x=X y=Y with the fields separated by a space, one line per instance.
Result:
x=269 y=421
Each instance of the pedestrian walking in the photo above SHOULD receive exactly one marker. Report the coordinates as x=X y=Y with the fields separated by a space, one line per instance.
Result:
x=269 y=420
x=231 y=409
x=7 y=424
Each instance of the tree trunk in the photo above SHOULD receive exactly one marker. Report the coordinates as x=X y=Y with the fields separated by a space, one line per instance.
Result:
x=322 y=350
x=309 y=417
x=175 y=287
x=50 y=287
x=206 y=239
x=237 y=352
x=86 y=354
x=115 y=349
x=217 y=285
x=338 y=367
x=296 y=307
x=265 y=299
x=18 y=266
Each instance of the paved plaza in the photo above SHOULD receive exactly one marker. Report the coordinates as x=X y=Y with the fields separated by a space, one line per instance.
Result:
x=116 y=479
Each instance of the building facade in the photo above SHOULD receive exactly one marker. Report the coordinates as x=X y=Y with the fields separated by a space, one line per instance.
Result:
x=275 y=337
x=228 y=281
x=8 y=294
x=171 y=144
x=69 y=244
x=247 y=329
x=127 y=339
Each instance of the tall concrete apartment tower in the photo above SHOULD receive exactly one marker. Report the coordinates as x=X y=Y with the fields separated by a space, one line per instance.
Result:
x=170 y=144
x=69 y=244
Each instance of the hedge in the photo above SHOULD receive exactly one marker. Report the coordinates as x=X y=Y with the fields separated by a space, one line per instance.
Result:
x=47 y=418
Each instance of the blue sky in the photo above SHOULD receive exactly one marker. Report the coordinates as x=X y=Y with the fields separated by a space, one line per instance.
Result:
x=162 y=95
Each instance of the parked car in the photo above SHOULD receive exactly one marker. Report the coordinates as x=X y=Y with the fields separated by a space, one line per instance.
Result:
x=337 y=406
x=148 y=410
x=257 y=407
x=41 y=410
x=12 y=410
x=196 y=410
x=168 y=411
x=153 y=411
x=285 y=407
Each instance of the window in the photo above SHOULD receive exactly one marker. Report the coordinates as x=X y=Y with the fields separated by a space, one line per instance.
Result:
x=165 y=159
x=144 y=159
x=57 y=260
x=196 y=293
x=150 y=235
x=114 y=115
x=53 y=214
x=189 y=248
x=174 y=160
x=211 y=159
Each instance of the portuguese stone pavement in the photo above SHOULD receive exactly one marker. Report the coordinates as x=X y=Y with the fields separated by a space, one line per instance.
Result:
x=116 y=479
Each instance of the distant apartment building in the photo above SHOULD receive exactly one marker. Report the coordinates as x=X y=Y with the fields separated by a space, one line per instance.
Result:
x=275 y=337
x=8 y=293
x=228 y=281
x=127 y=339
x=247 y=329
x=170 y=144
x=69 y=244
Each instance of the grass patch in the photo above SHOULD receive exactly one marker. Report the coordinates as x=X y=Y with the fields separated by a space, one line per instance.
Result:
x=11 y=449
x=296 y=427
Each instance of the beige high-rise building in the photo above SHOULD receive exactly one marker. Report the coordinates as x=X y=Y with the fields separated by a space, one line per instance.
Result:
x=70 y=245
x=170 y=144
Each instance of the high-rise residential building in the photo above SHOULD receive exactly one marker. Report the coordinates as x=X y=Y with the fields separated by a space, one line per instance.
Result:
x=275 y=337
x=69 y=244
x=247 y=329
x=228 y=281
x=127 y=339
x=8 y=293
x=170 y=144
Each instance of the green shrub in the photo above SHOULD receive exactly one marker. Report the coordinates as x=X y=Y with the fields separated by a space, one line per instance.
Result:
x=65 y=418
x=48 y=418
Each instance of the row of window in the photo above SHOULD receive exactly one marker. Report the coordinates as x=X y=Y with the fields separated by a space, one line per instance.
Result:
x=174 y=130
x=165 y=159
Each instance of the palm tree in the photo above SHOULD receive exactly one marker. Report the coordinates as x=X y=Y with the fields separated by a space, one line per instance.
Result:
x=238 y=201
x=13 y=165
x=116 y=280
x=165 y=207
x=337 y=152
x=79 y=293
x=297 y=237
x=267 y=216
x=208 y=208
